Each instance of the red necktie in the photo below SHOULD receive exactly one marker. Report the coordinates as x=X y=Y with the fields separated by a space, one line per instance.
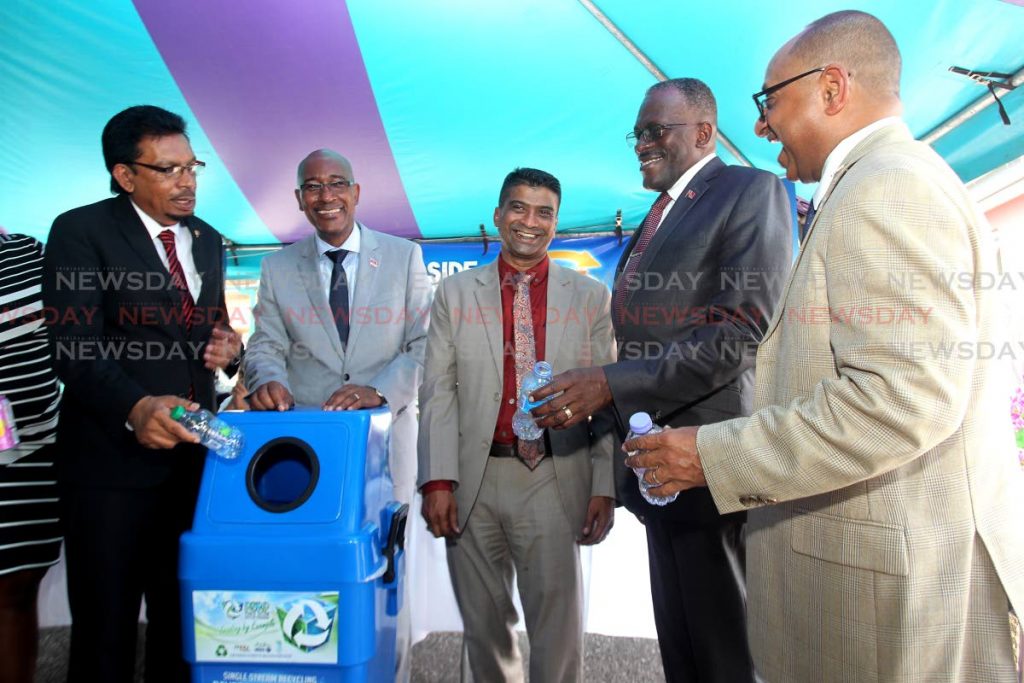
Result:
x=178 y=277
x=647 y=230
x=530 y=452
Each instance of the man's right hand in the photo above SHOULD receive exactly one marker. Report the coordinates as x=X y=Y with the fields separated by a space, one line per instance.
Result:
x=271 y=396
x=442 y=514
x=150 y=419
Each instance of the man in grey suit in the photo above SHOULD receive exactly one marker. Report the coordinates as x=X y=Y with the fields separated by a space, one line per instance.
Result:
x=884 y=492
x=511 y=507
x=341 y=321
x=694 y=291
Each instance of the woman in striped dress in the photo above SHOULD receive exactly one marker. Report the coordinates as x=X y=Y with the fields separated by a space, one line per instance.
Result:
x=29 y=534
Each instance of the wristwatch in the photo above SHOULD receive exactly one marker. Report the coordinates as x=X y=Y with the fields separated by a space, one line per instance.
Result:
x=383 y=401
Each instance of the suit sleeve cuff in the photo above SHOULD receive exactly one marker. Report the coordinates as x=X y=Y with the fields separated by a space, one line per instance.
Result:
x=437 y=485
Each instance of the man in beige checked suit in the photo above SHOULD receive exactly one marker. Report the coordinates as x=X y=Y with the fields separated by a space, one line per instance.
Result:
x=884 y=539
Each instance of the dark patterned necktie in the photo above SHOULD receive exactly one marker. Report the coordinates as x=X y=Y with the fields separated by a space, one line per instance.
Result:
x=647 y=230
x=530 y=452
x=337 y=295
x=188 y=305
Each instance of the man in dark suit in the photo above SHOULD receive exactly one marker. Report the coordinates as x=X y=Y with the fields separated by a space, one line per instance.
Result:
x=135 y=285
x=694 y=292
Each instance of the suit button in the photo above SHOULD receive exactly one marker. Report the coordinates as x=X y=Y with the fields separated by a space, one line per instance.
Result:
x=345 y=377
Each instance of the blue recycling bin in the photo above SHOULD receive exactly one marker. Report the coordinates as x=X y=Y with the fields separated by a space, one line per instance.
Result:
x=293 y=568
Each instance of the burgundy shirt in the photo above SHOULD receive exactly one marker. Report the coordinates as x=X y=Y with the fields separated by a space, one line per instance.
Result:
x=538 y=307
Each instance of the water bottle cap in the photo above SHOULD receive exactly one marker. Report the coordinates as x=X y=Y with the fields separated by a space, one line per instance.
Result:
x=640 y=423
x=542 y=369
x=177 y=412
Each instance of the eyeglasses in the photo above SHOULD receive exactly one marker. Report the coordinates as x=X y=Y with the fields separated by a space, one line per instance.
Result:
x=333 y=186
x=761 y=97
x=194 y=168
x=652 y=132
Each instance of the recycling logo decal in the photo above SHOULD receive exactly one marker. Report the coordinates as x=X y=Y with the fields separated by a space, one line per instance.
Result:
x=306 y=624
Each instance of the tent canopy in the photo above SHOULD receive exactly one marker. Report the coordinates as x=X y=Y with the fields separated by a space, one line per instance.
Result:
x=434 y=102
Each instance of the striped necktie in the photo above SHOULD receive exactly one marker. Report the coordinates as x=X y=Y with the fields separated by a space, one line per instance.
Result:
x=188 y=305
x=647 y=230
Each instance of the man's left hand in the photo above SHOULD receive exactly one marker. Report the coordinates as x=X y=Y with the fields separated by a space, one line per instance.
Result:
x=584 y=391
x=600 y=518
x=222 y=347
x=670 y=459
x=353 y=397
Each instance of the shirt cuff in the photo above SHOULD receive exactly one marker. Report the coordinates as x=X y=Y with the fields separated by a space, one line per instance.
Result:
x=437 y=485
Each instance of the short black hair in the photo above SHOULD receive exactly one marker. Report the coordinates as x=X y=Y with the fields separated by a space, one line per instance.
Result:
x=532 y=177
x=123 y=133
x=697 y=94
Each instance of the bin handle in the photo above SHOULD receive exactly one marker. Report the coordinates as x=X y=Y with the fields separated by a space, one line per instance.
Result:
x=396 y=540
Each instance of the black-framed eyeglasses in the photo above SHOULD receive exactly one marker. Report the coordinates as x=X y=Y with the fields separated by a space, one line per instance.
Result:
x=333 y=186
x=761 y=97
x=194 y=168
x=651 y=132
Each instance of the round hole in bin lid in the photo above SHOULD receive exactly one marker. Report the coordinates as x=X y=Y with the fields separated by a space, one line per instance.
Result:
x=282 y=474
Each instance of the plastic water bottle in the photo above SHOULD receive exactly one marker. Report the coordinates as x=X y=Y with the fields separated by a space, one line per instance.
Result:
x=640 y=424
x=214 y=433
x=523 y=424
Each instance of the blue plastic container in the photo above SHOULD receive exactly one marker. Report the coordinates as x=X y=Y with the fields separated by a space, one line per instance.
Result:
x=293 y=568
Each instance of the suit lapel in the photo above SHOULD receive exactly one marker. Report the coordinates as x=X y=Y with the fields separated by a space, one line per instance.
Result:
x=880 y=138
x=560 y=300
x=137 y=237
x=366 y=278
x=308 y=271
x=688 y=198
x=488 y=298
x=205 y=260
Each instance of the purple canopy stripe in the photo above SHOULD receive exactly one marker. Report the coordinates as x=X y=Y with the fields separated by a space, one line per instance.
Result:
x=297 y=83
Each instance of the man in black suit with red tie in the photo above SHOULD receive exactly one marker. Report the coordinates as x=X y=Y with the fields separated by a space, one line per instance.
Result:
x=135 y=285
x=694 y=291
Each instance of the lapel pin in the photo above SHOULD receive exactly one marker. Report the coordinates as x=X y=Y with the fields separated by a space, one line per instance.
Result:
x=195 y=233
x=374 y=262
x=690 y=194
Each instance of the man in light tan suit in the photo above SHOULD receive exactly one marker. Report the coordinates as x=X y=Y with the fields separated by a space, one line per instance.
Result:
x=884 y=539
x=505 y=512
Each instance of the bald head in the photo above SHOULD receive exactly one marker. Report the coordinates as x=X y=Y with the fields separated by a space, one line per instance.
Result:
x=860 y=43
x=323 y=155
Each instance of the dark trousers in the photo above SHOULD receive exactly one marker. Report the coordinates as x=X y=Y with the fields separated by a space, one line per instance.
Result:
x=121 y=545
x=699 y=594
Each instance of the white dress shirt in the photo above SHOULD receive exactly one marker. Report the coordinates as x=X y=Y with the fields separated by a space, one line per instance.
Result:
x=680 y=185
x=834 y=160
x=182 y=245
x=350 y=264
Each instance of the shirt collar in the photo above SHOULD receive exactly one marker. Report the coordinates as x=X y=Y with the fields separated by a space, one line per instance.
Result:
x=835 y=159
x=152 y=227
x=539 y=272
x=684 y=180
x=351 y=244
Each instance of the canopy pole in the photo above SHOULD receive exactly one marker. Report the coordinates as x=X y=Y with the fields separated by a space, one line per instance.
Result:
x=653 y=68
x=967 y=113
